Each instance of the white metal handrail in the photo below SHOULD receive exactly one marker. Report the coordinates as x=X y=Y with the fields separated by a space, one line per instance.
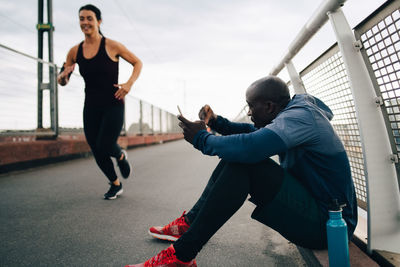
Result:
x=317 y=20
x=26 y=55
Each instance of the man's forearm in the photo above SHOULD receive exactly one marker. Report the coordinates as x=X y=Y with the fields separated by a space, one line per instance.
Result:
x=245 y=148
x=226 y=127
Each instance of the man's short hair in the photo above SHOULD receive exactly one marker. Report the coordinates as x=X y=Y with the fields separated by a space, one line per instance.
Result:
x=273 y=89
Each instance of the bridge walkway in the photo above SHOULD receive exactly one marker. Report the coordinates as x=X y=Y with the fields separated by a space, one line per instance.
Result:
x=54 y=215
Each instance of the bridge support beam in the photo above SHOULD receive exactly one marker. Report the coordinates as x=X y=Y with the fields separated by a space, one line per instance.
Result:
x=48 y=28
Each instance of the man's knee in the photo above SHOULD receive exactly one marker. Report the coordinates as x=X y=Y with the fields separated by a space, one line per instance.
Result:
x=266 y=180
x=224 y=167
x=236 y=170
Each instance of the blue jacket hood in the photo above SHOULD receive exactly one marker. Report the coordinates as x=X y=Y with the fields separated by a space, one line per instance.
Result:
x=306 y=100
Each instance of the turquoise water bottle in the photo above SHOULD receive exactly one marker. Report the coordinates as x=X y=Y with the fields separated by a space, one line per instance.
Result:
x=338 y=244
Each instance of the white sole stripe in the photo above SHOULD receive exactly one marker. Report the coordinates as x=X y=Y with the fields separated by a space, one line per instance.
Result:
x=117 y=194
x=163 y=237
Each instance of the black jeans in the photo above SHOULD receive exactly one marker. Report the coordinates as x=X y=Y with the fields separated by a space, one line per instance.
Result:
x=224 y=194
x=102 y=126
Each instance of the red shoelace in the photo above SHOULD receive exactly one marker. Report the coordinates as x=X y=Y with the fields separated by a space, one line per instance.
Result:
x=164 y=257
x=178 y=221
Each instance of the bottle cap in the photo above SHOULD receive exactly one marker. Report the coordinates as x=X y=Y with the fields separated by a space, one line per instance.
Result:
x=335 y=206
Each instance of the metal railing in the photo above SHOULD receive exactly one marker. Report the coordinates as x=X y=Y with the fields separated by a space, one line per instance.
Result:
x=19 y=103
x=359 y=79
x=327 y=79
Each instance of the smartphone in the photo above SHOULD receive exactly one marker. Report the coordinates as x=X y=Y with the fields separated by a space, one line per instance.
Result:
x=180 y=112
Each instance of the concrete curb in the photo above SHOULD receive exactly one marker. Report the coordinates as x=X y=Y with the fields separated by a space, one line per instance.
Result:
x=358 y=257
x=22 y=152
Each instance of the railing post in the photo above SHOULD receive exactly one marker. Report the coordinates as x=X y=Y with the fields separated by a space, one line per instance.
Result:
x=297 y=83
x=168 y=122
x=40 y=68
x=55 y=101
x=141 y=117
x=152 y=119
x=382 y=187
x=52 y=71
x=160 y=121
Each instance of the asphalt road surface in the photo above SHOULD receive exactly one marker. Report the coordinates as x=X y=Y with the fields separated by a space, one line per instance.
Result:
x=56 y=216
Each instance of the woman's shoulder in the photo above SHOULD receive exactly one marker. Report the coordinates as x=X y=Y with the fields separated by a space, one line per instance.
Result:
x=73 y=52
x=114 y=45
x=75 y=48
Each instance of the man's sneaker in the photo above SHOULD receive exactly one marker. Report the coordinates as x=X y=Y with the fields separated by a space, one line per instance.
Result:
x=171 y=231
x=124 y=166
x=114 y=191
x=165 y=258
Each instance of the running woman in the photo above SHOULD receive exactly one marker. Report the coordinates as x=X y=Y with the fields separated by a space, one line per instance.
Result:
x=103 y=112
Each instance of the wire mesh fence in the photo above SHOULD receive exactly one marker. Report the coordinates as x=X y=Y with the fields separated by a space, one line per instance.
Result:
x=326 y=78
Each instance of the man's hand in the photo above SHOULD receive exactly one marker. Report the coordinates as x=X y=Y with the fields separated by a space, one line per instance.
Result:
x=190 y=129
x=206 y=114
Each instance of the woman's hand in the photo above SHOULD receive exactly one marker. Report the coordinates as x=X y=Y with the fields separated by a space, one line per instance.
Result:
x=63 y=77
x=123 y=90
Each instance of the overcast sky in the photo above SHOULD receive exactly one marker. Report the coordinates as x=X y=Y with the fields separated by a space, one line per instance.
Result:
x=194 y=52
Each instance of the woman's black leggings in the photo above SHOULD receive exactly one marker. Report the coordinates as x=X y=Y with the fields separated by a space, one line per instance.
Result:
x=102 y=126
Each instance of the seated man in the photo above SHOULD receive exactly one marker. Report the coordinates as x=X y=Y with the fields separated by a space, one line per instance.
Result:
x=293 y=198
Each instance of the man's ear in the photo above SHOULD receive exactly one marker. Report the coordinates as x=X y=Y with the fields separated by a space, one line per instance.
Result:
x=269 y=106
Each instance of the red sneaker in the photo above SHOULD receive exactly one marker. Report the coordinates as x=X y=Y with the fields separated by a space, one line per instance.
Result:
x=171 y=231
x=165 y=258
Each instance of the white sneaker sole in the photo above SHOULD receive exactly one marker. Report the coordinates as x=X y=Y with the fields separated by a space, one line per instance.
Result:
x=117 y=194
x=163 y=237
x=130 y=166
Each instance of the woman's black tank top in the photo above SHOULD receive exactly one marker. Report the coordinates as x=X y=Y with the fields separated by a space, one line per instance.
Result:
x=100 y=74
